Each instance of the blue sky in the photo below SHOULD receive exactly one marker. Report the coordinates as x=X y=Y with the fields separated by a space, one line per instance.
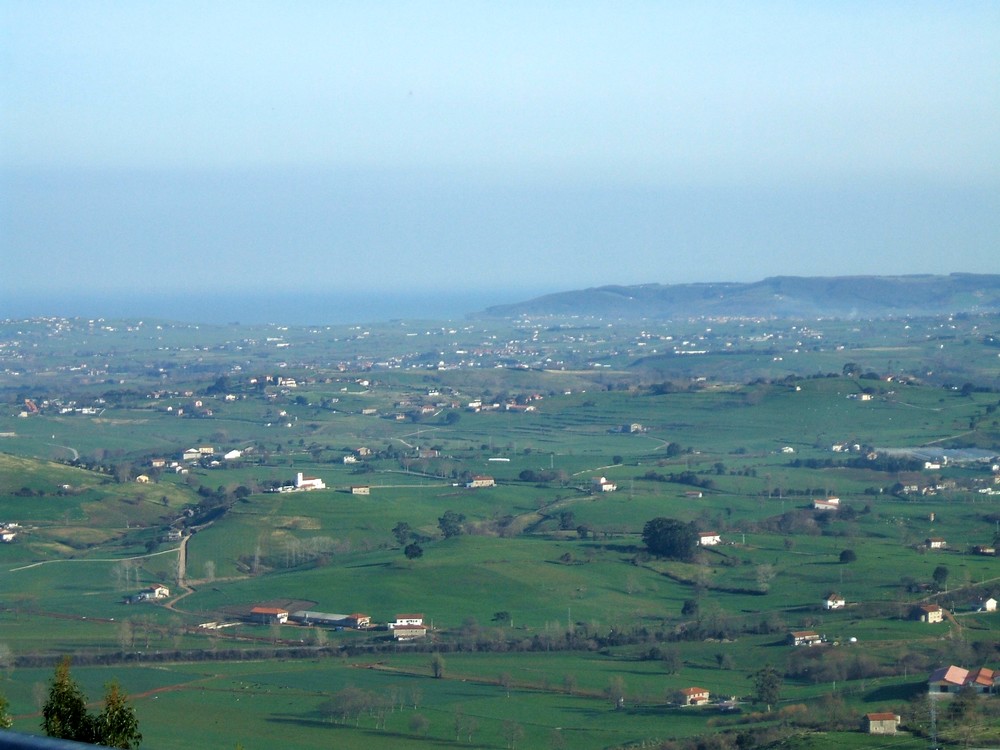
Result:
x=528 y=146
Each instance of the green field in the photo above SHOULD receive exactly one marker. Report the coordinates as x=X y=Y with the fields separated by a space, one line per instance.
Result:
x=545 y=606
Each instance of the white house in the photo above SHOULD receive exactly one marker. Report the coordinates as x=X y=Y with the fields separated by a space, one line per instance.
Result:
x=694 y=696
x=709 y=538
x=601 y=484
x=929 y=613
x=407 y=619
x=834 y=601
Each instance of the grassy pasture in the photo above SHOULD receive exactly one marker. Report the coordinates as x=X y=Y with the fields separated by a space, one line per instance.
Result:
x=337 y=550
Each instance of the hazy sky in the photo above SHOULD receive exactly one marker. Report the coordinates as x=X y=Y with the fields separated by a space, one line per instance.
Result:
x=538 y=145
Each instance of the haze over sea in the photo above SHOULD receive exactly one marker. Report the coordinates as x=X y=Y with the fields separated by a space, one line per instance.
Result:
x=255 y=307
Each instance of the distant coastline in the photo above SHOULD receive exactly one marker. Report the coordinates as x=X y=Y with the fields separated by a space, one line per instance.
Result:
x=257 y=307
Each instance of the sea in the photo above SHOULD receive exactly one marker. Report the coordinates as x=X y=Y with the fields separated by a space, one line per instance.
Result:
x=293 y=308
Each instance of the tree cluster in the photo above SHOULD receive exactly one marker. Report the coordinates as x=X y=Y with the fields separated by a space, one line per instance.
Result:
x=668 y=537
x=65 y=715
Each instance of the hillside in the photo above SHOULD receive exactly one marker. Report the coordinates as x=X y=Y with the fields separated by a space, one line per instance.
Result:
x=779 y=296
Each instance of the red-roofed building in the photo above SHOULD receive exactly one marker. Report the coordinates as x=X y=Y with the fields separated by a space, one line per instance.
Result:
x=929 y=613
x=982 y=679
x=694 y=696
x=947 y=679
x=880 y=723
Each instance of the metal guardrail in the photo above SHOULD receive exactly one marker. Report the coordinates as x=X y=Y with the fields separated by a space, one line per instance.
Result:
x=18 y=741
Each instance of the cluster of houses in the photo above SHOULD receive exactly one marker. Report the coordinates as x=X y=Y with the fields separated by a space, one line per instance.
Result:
x=204 y=455
x=406 y=627
x=944 y=681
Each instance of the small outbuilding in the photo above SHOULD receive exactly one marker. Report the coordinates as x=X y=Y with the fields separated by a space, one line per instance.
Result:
x=880 y=723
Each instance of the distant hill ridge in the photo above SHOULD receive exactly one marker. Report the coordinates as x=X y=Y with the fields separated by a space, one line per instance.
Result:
x=778 y=296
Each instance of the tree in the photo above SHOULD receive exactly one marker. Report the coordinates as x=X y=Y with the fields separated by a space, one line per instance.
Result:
x=766 y=686
x=671 y=538
x=505 y=681
x=403 y=533
x=437 y=666
x=419 y=724
x=117 y=725
x=512 y=733
x=64 y=714
x=940 y=575
x=5 y=720
x=451 y=523
x=848 y=556
x=413 y=551
x=616 y=691
x=503 y=616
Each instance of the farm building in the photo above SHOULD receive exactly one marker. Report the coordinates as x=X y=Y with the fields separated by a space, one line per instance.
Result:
x=481 y=481
x=935 y=542
x=409 y=632
x=709 y=538
x=360 y=489
x=804 y=638
x=269 y=615
x=983 y=680
x=157 y=591
x=949 y=679
x=356 y=621
x=880 y=723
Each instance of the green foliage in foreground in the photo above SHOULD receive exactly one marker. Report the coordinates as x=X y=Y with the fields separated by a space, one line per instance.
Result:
x=65 y=715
